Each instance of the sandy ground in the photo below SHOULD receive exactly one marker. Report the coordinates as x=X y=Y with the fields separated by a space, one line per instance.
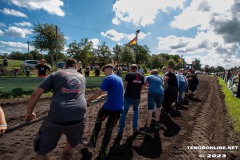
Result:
x=202 y=121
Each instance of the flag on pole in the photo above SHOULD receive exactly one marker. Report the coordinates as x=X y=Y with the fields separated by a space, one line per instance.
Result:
x=134 y=41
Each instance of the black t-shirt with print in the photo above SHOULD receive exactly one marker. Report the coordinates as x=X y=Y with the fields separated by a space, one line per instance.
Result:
x=42 y=69
x=135 y=81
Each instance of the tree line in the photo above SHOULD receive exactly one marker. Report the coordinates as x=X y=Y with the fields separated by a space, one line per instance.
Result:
x=49 y=41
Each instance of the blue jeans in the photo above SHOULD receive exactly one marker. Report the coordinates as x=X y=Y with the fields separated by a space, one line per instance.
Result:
x=127 y=103
x=182 y=87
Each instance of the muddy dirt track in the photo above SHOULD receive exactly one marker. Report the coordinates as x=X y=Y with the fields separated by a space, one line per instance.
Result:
x=201 y=121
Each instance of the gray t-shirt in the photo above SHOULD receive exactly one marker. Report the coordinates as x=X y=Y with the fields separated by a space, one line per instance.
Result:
x=68 y=100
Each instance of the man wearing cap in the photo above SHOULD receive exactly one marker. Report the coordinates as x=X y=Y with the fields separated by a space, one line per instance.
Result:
x=42 y=68
x=111 y=109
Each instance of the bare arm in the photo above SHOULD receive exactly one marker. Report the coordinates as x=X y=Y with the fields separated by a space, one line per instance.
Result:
x=3 y=123
x=32 y=103
x=165 y=79
x=125 y=84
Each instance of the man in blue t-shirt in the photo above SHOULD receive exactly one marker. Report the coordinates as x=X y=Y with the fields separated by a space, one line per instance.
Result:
x=112 y=108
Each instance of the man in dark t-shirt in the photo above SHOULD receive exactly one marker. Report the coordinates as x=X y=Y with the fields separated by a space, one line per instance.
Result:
x=133 y=83
x=192 y=83
x=171 y=91
x=66 y=114
x=42 y=68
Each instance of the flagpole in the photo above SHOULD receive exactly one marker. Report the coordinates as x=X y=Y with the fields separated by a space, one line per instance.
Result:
x=136 y=50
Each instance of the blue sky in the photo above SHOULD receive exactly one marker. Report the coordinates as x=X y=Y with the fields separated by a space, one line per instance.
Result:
x=208 y=30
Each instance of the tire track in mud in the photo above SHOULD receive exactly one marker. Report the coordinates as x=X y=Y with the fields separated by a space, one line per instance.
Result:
x=204 y=121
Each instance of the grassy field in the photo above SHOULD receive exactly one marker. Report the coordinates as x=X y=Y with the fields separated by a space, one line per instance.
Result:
x=17 y=86
x=233 y=105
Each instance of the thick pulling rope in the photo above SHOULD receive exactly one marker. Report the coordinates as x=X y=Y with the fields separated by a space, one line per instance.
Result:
x=21 y=125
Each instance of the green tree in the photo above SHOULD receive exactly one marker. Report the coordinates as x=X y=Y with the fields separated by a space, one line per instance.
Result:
x=36 y=55
x=117 y=52
x=16 y=56
x=207 y=68
x=156 y=61
x=179 y=65
x=196 y=64
x=104 y=54
x=142 y=55
x=48 y=38
x=127 y=55
x=171 y=62
x=82 y=51
x=219 y=69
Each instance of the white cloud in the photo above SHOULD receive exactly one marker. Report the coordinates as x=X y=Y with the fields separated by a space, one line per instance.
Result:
x=142 y=12
x=1 y=52
x=17 y=32
x=113 y=35
x=1 y=32
x=116 y=36
x=95 y=42
x=15 y=49
x=50 y=6
x=2 y=24
x=28 y=24
x=13 y=13
x=209 y=47
x=14 y=44
x=200 y=12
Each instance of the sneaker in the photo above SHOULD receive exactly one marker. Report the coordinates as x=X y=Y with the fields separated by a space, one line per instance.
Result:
x=157 y=125
x=89 y=144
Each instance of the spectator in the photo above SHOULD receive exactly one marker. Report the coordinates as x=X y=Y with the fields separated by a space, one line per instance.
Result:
x=97 y=71
x=140 y=70
x=67 y=110
x=87 y=70
x=3 y=123
x=119 y=71
x=5 y=62
x=79 y=69
x=112 y=108
x=133 y=83
x=42 y=68
x=155 y=95
x=238 y=88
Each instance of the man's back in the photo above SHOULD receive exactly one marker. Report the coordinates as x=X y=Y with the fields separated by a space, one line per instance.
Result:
x=68 y=101
x=134 y=80
x=114 y=86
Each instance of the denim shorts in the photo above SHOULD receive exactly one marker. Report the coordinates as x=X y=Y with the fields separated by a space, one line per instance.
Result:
x=50 y=133
x=154 y=98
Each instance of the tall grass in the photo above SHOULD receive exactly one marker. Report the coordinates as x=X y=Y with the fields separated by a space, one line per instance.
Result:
x=233 y=105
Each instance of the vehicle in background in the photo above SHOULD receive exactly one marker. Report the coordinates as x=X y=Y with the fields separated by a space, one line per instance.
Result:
x=29 y=64
x=60 y=64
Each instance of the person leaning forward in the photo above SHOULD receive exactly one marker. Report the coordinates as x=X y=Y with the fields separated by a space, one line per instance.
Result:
x=111 y=109
x=67 y=110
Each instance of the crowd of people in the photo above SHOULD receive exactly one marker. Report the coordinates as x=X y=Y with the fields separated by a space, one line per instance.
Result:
x=232 y=79
x=69 y=104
